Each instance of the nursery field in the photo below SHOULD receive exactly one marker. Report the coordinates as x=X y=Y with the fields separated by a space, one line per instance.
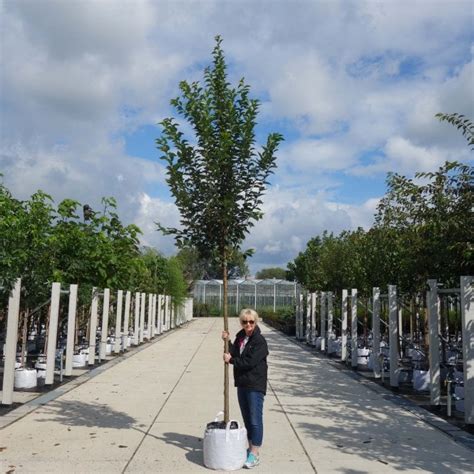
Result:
x=147 y=413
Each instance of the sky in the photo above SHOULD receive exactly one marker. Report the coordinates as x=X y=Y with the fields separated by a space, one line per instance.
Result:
x=353 y=86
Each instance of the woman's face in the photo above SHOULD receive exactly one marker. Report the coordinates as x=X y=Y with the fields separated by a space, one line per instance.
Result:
x=248 y=323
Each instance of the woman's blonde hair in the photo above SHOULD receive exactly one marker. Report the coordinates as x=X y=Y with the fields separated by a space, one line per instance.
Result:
x=248 y=312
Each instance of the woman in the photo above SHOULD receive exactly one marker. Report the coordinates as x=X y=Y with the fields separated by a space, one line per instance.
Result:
x=248 y=354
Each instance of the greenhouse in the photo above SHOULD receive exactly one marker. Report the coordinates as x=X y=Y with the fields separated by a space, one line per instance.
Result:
x=269 y=295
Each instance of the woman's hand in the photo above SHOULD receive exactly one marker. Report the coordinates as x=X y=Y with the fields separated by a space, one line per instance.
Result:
x=225 y=335
x=227 y=357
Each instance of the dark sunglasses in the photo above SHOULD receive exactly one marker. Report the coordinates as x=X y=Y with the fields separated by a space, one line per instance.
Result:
x=247 y=321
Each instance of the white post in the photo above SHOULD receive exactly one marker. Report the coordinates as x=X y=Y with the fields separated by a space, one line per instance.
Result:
x=149 y=319
x=301 y=327
x=344 y=326
x=160 y=314
x=118 y=322
x=153 y=315
x=189 y=309
x=142 y=316
x=323 y=321
x=354 y=323
x=136 y=323
x=308 y=318
x=52 y=333
x=105 y=323
x=313 y=318
x=172 y=313
x=467 y=312
x=71 y=328
x=433 y=327
x=126 y=321
x=165 y=313
x=169 y=316
x=330 y=320
x=10 y=343
x=93 y=326
x=393 y=334
x=376 y=332
x=255 y=297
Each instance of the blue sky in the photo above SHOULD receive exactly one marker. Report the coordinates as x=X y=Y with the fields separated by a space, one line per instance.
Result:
x=352 y=85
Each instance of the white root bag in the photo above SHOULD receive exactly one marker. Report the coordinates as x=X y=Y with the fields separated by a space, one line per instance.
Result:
x=225 y=449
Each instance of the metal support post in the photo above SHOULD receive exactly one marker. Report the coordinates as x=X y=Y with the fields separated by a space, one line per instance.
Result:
x=160 y=314
x=330 y=322
x=308 y=318
x=433 y=327
x=105 y=324
x=136 y=322
x=323 y=321
x=376 y=332
x=71 y=328
x=313 y=318
x=344 y=326
x=354 y=323
x=52 y=333
x=467 y=311
x=10 y=343
x=142 y=317
x=393 y=334
x=118 y=322
x=126 y=321
x=93 y=326
x=149 y=319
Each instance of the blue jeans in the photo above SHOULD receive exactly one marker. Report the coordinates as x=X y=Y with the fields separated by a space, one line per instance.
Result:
x=251 y=406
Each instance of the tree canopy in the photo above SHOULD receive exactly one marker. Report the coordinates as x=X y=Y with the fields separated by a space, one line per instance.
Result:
x=423 y=229
x=42 y=243
x=272 y=272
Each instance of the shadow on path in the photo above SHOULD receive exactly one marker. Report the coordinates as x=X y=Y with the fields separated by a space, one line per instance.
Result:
x=192 y=445
x=75 y=413
x=328 y=405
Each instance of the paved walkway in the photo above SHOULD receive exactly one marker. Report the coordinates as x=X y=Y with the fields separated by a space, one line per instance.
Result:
x=148 y=412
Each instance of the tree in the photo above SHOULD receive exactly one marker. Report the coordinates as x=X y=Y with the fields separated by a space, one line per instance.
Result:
x=272 y=272
x=218 y=183
x=461 y=123
x=431 y=224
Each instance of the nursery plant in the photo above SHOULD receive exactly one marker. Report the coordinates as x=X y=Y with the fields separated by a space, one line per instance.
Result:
x=219 y=176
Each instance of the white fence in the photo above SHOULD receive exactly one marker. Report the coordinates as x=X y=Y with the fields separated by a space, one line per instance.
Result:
x=138 y=317
x=316 y=312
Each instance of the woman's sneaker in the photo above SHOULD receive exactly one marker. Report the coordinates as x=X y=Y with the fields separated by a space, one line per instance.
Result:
x=252 y=461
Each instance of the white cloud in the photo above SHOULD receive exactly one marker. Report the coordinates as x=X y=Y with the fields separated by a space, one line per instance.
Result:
x=353 y=84
x=292 y=218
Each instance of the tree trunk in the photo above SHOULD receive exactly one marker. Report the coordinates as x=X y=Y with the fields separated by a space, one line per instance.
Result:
x=226 y=343
x=24 y=338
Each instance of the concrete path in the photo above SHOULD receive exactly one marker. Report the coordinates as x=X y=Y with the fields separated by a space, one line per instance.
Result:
x=148 y=412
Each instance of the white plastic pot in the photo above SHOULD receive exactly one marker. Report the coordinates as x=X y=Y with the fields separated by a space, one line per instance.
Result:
x=25 y=378
x=317 y=343
x=108 y=349
x=363 y=356
x=225 y=449
x=79 y=360
x=421 y=380
x=334 y=346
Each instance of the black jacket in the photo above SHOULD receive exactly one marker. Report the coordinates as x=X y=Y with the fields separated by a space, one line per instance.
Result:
x=250 y=368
